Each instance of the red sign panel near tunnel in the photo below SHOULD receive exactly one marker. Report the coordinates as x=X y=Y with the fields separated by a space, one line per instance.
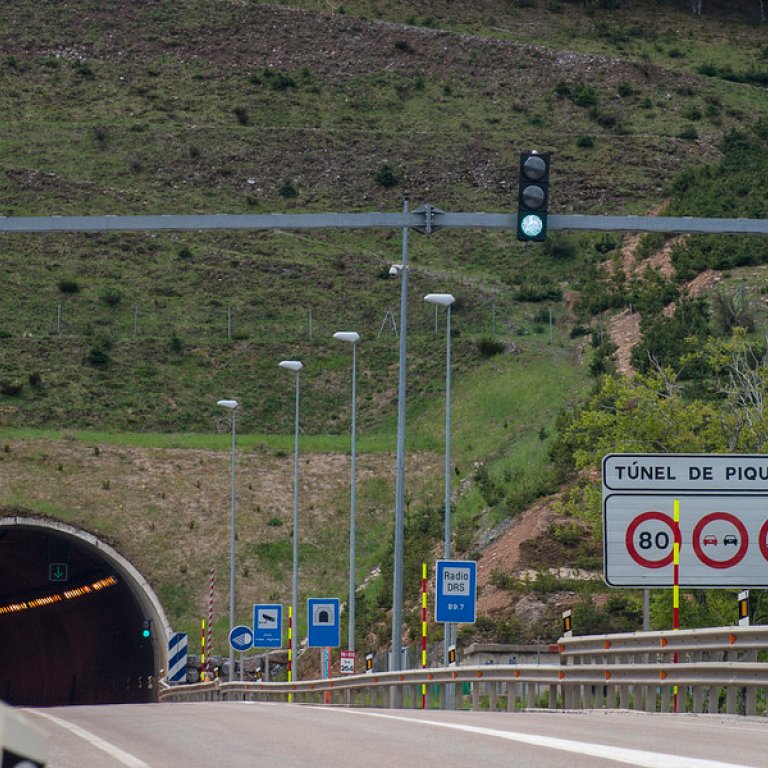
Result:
x=723 y=527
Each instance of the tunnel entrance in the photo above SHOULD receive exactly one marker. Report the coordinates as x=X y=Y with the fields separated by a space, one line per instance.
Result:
x=72 y=615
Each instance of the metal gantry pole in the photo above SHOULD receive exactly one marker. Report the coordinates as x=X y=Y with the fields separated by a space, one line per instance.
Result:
x=397 y=581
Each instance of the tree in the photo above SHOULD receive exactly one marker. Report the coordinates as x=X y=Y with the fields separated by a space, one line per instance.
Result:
x=740 y=368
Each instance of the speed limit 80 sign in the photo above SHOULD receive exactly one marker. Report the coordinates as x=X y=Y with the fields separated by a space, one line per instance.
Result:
x=722 y=535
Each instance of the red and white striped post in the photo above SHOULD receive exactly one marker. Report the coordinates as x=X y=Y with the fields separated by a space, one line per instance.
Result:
x=423 y=631
x=202 y=651
x=676 y=580
x=290 y=647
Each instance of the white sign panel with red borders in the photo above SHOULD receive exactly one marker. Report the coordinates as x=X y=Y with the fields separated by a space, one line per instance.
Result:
x=722 y=533
x=723 y=540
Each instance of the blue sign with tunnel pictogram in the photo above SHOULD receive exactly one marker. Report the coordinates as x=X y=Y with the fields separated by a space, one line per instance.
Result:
x=324 y=629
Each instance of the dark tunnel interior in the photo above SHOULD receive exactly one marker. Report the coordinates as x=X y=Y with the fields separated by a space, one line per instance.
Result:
x=70 y=628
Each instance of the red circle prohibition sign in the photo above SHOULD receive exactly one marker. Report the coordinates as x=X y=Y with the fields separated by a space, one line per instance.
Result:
x=743 y=545
x=629 y=539
x=763 y=539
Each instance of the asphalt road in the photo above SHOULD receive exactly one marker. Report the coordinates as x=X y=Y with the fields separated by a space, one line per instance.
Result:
x=260 y=735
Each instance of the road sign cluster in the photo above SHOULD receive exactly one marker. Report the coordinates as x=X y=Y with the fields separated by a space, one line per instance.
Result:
x=455 y=603
x=723 y=529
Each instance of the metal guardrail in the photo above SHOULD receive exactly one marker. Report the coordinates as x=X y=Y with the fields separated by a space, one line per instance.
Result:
x=702 y=670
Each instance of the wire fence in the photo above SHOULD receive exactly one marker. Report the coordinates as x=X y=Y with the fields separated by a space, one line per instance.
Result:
x=296 y=324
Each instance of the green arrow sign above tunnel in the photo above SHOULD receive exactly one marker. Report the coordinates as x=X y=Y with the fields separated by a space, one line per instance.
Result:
x=58 y=572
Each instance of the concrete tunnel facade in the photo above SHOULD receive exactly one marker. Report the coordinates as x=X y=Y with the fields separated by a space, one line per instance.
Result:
x=71 y=616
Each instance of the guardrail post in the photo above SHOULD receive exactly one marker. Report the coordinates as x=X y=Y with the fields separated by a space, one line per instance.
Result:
x=553 y=696
x=511 y=696
x=492 y=693
x=713 y=705
x=750 y=696
x=475 y=695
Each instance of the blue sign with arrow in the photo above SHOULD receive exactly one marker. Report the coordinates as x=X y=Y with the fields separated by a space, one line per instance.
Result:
x=241 y=638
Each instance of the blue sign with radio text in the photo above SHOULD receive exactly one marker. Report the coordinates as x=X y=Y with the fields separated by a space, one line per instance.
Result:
x=456 y=591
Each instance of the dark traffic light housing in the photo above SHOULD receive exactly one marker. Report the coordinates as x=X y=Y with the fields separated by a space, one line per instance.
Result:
x=533 y=196
x=146 y=628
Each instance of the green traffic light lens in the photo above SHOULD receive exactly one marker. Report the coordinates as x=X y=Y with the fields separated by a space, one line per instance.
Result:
x=531 y=225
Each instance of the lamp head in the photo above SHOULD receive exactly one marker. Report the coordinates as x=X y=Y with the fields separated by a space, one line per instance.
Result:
x=395 y=270
x=443 y=299
x=349 y=336
x=231 y=404
x=291 y=365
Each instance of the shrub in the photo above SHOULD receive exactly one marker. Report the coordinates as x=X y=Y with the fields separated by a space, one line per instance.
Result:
x=544 y=290
x=112 y=297
x=287 y=190
x=559 y=248
x=386 y=176
x=605 y=244
x=68 y=286
x=241 y=113
x=585 y=142
x=84 y=70
x=98 y=354
x=584 y=95
x=10 y=388
x=689 y=133
x=489 y=347
x=278 y=81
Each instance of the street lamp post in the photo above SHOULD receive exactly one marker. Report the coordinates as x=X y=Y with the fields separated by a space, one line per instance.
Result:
x=445 y=300
x=232 y=406
x=352 y=338
x=295 y=366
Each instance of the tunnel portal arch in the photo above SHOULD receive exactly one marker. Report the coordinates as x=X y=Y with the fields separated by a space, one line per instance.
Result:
x=71 y=615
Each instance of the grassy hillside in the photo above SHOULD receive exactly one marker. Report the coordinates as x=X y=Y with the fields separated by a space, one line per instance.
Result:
x=157 y=107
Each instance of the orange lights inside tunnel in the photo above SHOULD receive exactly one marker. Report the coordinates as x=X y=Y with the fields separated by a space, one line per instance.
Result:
x=67 y=594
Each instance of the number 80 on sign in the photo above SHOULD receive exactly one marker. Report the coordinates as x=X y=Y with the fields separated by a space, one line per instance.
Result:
x=649 y=539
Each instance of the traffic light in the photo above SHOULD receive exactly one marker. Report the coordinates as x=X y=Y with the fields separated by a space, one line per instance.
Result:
x=533 y=196
x=146 y=628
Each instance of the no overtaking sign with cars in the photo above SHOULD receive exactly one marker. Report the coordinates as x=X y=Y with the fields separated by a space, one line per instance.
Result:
x=723 y=527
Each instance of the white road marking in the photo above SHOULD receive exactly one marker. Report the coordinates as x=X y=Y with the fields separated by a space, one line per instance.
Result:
x=120 y=755
x=637 y=757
